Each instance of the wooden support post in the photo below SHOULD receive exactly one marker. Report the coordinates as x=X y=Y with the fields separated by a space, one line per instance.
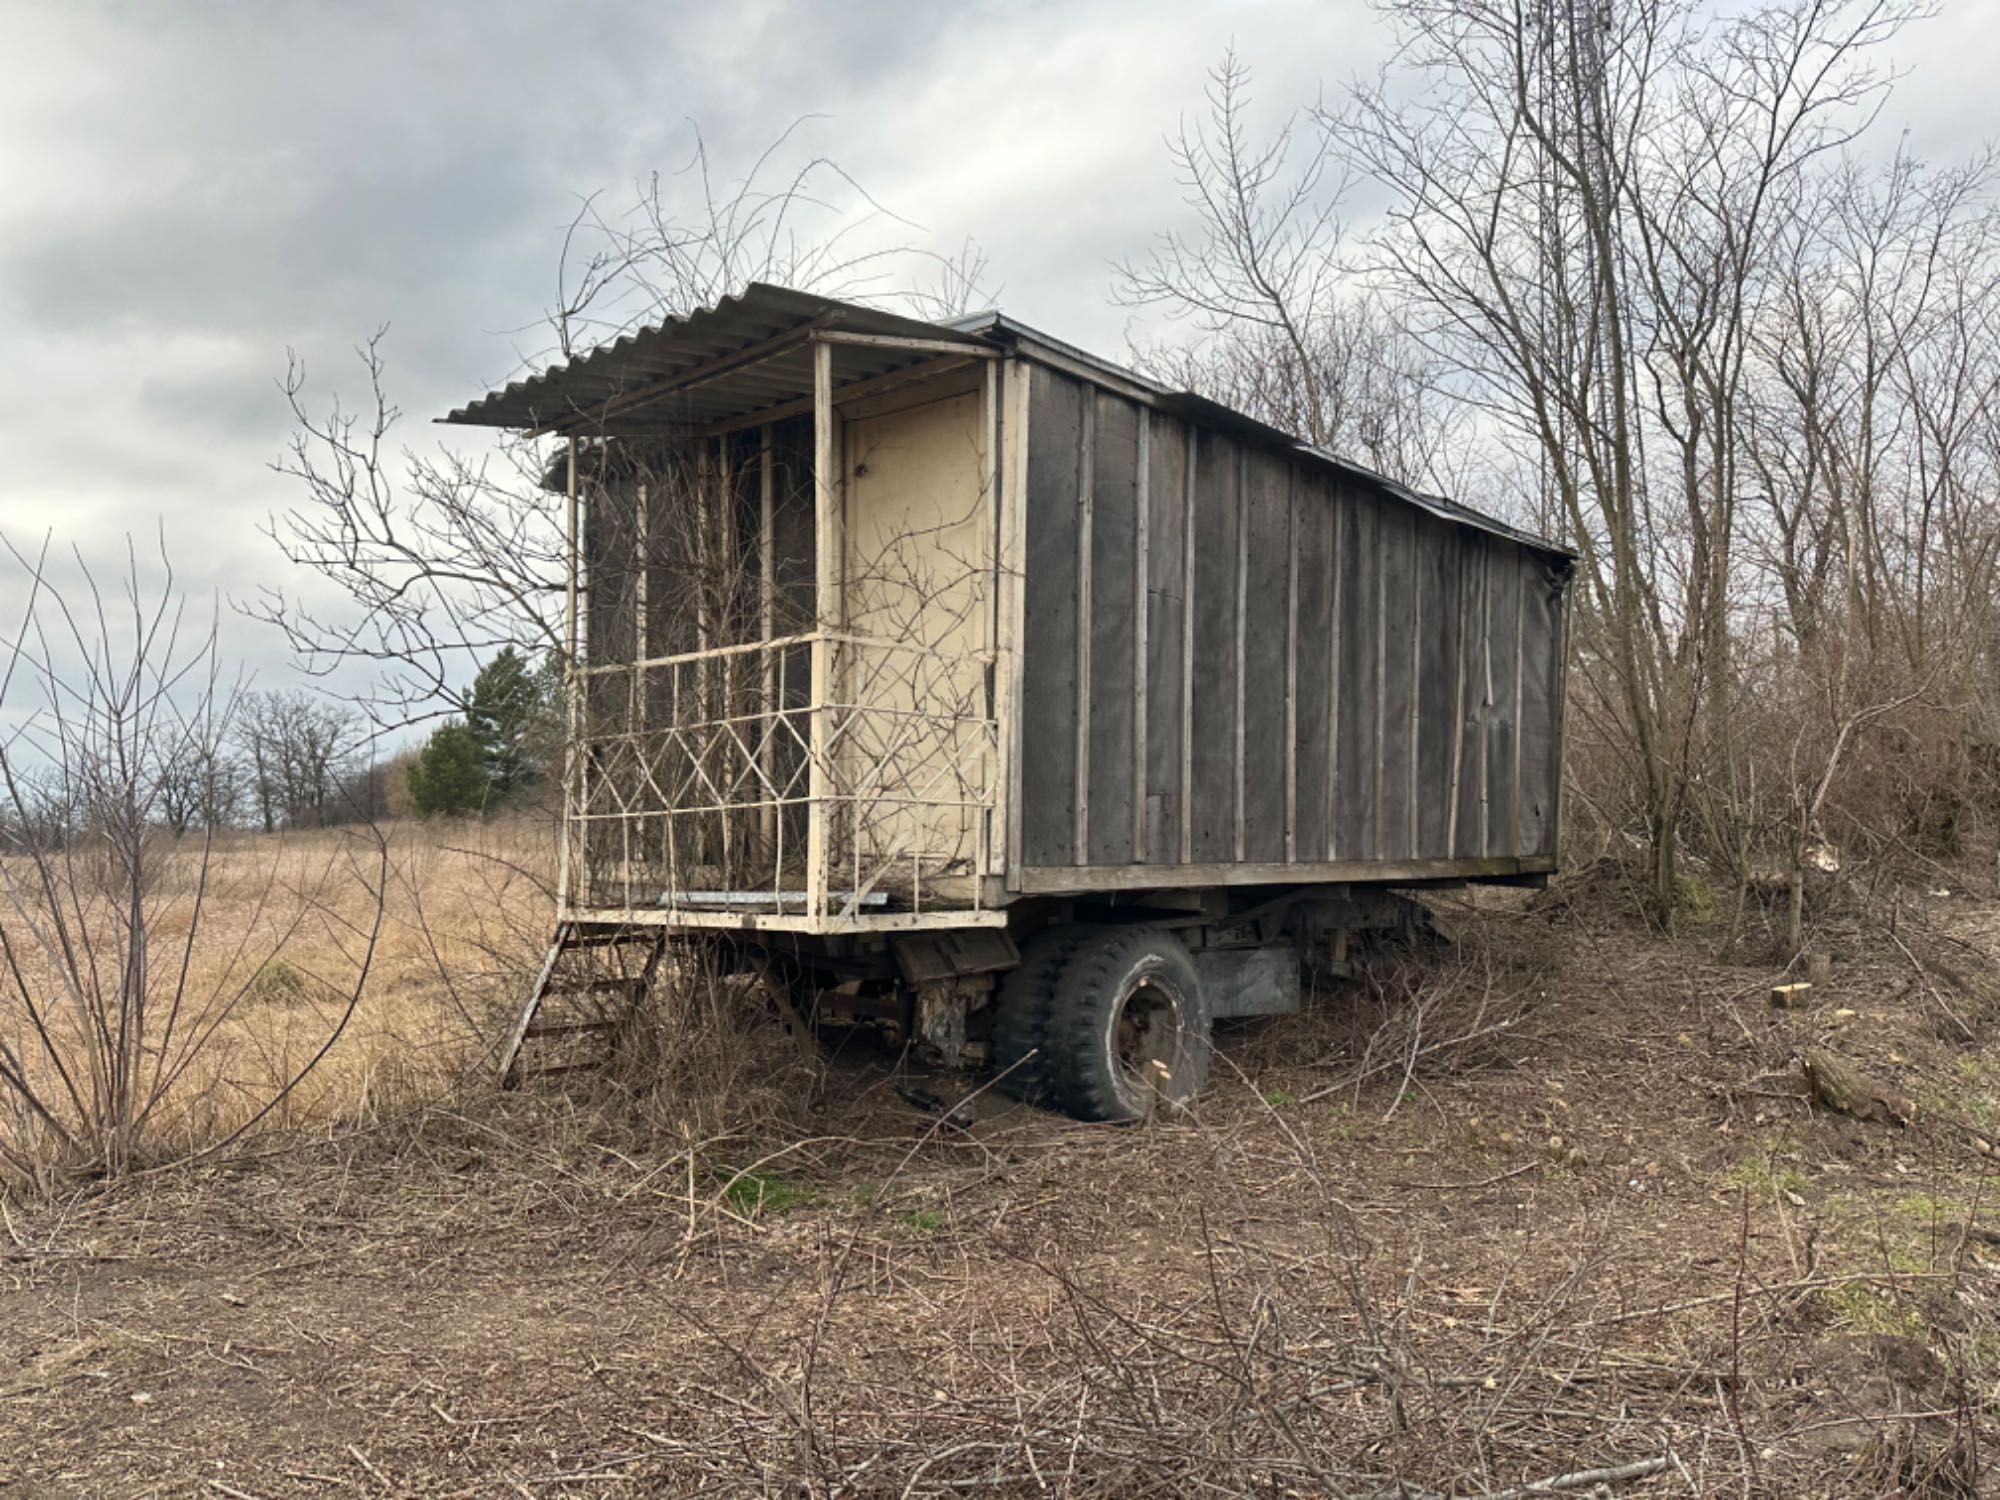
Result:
x=1016 y=390
x=826 y=619
x=573 y=683
x=635 y=706
x=988 y=830
x=711 y=844
x=767 y=628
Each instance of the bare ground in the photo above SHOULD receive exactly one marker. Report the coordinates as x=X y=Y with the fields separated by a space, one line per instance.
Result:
x=1553 y=1202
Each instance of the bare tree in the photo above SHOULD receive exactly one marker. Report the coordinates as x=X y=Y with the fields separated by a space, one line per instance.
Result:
x=197 y=785
x=1287 y=327
x=1584 y=204
x=299 y=746
x=438 y=561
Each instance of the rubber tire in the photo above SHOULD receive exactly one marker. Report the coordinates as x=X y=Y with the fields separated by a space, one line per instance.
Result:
x=1022 y=1008
x=1096 y=979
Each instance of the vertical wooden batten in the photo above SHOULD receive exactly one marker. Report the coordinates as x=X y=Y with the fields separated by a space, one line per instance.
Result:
x=1414 y=757
x=572 y=690
x=1485 y=691
x=1015 y=395
x=767 y=625
x=1375 y=849
x=1142 y=609
x=1457 y=709
x=991 y=860
x=1560 y=690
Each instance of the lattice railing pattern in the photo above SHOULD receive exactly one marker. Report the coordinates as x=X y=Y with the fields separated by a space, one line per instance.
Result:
x=701 y=781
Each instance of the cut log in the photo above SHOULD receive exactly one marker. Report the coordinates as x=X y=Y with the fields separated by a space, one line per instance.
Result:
x=1845 y=1089
x=1791 y=996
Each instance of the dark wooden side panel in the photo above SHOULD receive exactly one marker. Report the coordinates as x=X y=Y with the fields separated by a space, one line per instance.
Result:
x=1048 y=679
x=1313 y=503
x=1212 y=614
x=1401 y=600
x=1468 y=839
x=792 y=504
x=1268 y=572
x=1437 y=683
x=1355 y=715
x=1113 y=611
x=1541 y=768
x=1284 y=664
x=1503 y=612
x=794 y=571
x=1166 y=562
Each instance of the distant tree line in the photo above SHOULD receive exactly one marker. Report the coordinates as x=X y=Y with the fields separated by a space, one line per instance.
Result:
x=287 y=759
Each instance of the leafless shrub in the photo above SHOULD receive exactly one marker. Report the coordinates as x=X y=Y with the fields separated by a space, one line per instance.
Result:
x=1432 y=1012
x=703 y=1060
x=116 y=996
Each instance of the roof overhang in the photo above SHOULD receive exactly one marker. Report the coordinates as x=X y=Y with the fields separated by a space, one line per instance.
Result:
x=749 y=355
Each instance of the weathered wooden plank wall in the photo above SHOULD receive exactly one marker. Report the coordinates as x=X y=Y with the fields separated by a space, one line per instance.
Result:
x=1236 y=657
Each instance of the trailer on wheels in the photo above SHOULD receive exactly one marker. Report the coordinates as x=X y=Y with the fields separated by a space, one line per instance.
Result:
x=944 y=675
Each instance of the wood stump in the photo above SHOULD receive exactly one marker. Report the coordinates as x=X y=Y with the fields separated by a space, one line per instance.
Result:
x=1845 y=1089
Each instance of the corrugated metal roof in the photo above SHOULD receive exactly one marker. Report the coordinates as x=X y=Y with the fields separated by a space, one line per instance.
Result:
x=724 y=362
x=701 y=368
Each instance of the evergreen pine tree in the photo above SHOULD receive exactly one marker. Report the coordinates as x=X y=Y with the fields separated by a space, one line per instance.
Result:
x=507 y=698
x=449 y=775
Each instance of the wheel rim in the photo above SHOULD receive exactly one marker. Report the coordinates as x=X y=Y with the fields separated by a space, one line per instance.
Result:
x=1147 y=1031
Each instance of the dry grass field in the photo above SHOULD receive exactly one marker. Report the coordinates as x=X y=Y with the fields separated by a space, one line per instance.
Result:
x=1549 y=1204
x=283 y=928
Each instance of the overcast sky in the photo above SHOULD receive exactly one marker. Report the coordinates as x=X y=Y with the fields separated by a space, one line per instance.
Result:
x=186 y=191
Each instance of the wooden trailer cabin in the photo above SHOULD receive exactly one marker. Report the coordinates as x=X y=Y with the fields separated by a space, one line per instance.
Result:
x=917 y=640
